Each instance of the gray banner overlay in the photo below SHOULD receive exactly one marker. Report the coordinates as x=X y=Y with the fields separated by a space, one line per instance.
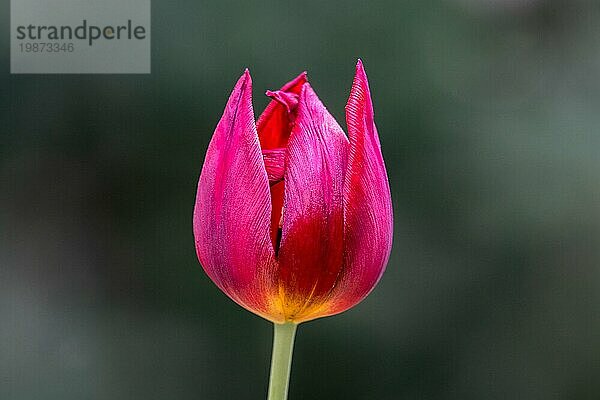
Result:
x=80 y=36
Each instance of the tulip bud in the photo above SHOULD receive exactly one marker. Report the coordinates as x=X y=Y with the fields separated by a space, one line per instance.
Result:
x=293 y=220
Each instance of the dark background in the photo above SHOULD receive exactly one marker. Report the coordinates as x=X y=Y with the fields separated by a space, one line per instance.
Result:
x=489 y=119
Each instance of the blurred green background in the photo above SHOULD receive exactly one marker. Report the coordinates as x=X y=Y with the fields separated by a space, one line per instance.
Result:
x=488 y=112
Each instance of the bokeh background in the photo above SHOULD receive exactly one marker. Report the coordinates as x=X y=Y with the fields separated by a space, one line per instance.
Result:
x=489 y=116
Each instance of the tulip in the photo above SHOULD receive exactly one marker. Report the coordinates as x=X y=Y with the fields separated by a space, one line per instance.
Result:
x=293 y=220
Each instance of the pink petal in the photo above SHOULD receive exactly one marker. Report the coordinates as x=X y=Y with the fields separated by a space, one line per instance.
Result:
x=311 y=251
x=368 y=219
x=233 y=208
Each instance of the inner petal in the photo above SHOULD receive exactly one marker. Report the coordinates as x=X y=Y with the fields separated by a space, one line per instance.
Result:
x=274 y=127
x=275 y=165
x=275 y=123
x=277 y=191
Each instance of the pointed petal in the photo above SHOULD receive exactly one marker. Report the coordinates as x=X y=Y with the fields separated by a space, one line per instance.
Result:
x=311 y=252
x=274 y=125
x=233 y=208
x=368 y=219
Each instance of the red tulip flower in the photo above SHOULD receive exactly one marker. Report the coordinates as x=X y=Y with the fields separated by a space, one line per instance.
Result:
x=293 y=220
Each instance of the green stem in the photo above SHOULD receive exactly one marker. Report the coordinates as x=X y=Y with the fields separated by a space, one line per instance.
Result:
x=281 y=361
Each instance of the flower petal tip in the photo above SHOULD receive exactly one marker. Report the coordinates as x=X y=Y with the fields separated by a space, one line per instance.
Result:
x=359 y=107
x=246 y=75
x=243 y=82
x=360 y=69
x=299 y=80
x=360 y=76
